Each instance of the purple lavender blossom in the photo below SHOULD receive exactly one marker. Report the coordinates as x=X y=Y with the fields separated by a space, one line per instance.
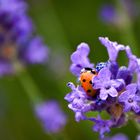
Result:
x=115 y=92
x=117 y=137
x=51 y=116
x=108 y=14
x=17 y=41
x=32 y=55
x=80 y=59
x=107 y=86
x=78 y=102
x=130 y=98
x=113 y=48
x=101 y=126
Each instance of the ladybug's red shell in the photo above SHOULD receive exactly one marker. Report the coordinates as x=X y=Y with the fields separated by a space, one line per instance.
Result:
x=86 y=81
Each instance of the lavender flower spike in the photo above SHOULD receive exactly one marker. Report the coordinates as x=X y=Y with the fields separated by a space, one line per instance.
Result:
x=51 y=116
x=17 y=41
x=113 y=48
x=114 y=91
x=80 y=59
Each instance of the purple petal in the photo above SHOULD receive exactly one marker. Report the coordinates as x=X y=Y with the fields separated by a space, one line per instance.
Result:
x=103 y=94
x=113 y=67
x=97 y=83
x=112 y=92
x=71 y=85
x=124 y=74
x=112 y=47
x=133 y=64
x=51 y=116
x=80 y=59
x=84 y=49
x=124 y=96
x=75 y=69
x=136 y=108
x=104 y=74
x=127 y=108
x=81 y=52
x=118 y=84
x=79 y=116
x=132 y=88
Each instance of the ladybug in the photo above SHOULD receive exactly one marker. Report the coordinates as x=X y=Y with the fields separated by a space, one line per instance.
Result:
x=86 y=76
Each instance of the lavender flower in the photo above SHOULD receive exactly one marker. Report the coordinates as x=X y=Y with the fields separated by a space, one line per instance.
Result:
x=78 y=102
x=36 y=52
x=80 y=59
x=114 y=91
x=17 y=41
x=130 y=98
x=105 y=84
x=101 y=126
x=108 y=14
x=51 y=116
x=117 y=137
x=113 y=48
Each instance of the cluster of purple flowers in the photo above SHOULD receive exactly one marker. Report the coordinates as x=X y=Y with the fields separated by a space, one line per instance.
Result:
x=51 y=116
x=18 y=41
x=117 y=88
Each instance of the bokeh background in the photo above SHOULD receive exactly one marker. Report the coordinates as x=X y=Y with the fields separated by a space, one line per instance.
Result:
x=63 y=25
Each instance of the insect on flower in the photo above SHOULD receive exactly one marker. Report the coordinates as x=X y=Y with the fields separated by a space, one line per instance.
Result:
x=112 y=87
x=86 y=76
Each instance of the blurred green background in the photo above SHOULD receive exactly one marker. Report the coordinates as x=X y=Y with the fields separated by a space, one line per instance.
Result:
x=63 y=25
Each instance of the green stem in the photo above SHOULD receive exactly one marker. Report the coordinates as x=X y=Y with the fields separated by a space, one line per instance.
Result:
x=29 y=86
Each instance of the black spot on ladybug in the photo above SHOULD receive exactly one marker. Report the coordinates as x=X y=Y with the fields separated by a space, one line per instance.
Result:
x=88 y=90
x=90 y=82
x=84 y=80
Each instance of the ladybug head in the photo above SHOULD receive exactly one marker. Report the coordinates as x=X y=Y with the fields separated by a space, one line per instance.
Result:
x=86 y=69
